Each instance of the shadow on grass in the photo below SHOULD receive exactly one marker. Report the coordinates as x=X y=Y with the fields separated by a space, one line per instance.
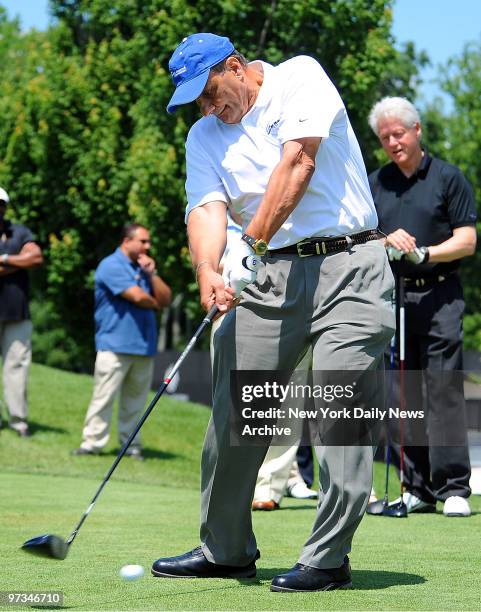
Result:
x=36 y=427
x=148 y=453
x=363 y=580
x=381 y=579
x=195 y=586
x=311 y=506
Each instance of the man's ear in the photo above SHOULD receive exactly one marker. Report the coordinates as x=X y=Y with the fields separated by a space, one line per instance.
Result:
x=419 y=131
x=232 y=63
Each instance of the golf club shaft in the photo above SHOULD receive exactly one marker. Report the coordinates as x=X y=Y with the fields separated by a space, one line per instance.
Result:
x=402 y=338
x=392 y=363
x=206 y=321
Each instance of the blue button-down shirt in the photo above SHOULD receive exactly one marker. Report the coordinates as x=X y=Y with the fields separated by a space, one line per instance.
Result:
x=120 y=325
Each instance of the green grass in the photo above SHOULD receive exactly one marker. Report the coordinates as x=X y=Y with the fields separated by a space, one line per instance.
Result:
x=150 y=509
x=58 y=402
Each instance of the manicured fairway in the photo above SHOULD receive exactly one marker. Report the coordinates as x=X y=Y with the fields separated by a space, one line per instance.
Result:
x=425 y=562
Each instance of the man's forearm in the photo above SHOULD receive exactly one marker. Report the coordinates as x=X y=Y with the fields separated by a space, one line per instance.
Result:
x=147 y=301
x=207 y=230
x=461 y=244
x=162 y=292
x=140 y=298
x=287 y=184
x=24 y=261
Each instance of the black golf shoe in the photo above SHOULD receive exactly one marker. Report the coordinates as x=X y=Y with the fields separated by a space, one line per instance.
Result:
x=303 y=578
x=194 y=564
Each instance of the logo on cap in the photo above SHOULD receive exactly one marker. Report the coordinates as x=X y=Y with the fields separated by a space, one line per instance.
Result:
x=179 y=71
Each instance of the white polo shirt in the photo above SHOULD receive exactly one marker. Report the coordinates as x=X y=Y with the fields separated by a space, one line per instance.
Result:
x=233 y=163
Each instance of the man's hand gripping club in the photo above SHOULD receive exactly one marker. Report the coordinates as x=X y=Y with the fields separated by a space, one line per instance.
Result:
x=240 y=269
x=207 y=227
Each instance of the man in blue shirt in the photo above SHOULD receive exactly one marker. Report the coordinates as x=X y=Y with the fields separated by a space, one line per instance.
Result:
x=128 y=291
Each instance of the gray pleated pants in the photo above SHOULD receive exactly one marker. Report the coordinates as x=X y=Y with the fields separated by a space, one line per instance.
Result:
x=340 y=304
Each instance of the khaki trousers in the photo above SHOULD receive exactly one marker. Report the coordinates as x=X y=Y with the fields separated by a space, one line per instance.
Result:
x=278 y=472
x=129 y=377
x=340 y=305
x=16 y=349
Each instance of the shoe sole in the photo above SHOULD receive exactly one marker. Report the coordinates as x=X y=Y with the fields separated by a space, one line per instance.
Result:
x=425 y=510
x=456 y=514
x=312 y=495
x=239 y=575
x=332 y=586
x=264 y=509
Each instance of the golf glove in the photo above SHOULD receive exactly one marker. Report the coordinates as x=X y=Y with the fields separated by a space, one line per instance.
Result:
x=394 y=254
x=240 y=266
x=418 y=256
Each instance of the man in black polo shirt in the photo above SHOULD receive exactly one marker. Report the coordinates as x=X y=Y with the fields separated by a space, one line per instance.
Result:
x=18 y=253
x=426 y=209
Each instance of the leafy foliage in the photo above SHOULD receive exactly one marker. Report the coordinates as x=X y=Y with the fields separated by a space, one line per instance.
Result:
x=87 y=144
x=456 y=139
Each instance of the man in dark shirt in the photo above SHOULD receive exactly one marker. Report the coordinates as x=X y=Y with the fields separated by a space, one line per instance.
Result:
x=18 y=253
x=426 y=209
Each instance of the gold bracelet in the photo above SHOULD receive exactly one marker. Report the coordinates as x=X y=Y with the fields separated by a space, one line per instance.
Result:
x=199 y=265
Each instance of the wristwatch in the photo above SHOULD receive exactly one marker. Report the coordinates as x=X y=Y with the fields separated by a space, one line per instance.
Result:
x=258 y=245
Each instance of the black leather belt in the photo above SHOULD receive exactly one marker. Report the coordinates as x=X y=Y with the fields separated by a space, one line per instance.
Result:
x=422 y=282
x=325 y=246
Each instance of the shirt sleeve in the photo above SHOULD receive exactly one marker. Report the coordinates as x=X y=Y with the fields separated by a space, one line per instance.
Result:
x=25 y=236
x=203 y=184
x=460 y=198
x=114 y=277
x=310 y=101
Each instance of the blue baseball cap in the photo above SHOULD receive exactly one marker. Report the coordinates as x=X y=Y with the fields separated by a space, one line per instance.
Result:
x=190 y=65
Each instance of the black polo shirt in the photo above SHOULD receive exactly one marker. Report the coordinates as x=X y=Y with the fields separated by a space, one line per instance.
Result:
x=429 y=204
x=14 y=288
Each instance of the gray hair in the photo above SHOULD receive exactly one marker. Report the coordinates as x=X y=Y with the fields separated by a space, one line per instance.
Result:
x=220 y=67
x=393 y=108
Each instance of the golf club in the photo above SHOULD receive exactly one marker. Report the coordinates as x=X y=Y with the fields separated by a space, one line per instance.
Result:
x=399 y=509
x=377 y=507
x=53 y=546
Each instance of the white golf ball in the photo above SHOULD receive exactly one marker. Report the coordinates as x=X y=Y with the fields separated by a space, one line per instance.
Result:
x=131 y=572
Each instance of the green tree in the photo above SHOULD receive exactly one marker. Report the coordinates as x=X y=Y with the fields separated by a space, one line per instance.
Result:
x=86 y=142
x=461 y=79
